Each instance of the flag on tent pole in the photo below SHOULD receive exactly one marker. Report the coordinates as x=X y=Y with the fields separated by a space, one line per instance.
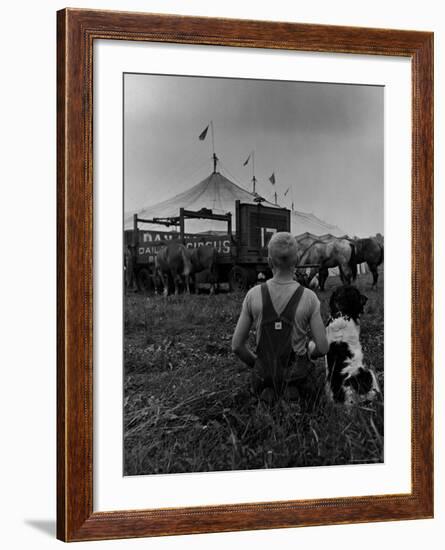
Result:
x=272 y=178
x=247 y=159
x=203 y=134
x=286 y=192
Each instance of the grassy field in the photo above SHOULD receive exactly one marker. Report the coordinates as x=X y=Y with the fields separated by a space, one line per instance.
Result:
x=187 y=405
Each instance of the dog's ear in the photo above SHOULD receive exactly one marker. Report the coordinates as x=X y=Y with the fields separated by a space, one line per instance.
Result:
x=363 y=299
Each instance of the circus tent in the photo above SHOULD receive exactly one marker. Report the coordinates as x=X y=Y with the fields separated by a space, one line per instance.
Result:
x=218 y=193
x=302 y=222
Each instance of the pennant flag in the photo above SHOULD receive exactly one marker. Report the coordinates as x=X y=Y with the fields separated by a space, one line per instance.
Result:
x=203 y=134
x=272 y=178
x=247 y=160
x=286 y=192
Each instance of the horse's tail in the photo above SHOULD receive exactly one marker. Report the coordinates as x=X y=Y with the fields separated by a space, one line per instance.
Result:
x=353 y=262
x=380 y=261
x=186 y=262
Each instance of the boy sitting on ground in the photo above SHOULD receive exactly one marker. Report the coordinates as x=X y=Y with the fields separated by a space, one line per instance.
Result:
x=282 y=312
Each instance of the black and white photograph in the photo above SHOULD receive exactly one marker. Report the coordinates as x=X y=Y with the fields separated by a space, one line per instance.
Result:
x=223 y=279
x=253 y=274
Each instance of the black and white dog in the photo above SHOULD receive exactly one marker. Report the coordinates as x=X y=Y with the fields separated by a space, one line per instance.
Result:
x=348 y=380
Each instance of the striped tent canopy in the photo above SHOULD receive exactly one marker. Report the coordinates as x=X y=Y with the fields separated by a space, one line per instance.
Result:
x=217 y=193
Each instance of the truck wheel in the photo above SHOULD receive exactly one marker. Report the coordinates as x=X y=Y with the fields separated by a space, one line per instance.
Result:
x=238 y=279
x=145 y=280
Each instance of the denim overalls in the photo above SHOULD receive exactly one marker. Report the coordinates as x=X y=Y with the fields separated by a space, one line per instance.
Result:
x=277 y=367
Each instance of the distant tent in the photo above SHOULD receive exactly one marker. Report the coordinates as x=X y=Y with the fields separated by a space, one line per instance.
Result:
x=218 y=193
x=308 y=223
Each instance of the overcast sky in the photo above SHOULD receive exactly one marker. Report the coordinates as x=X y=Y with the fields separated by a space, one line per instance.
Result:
x=325 y=141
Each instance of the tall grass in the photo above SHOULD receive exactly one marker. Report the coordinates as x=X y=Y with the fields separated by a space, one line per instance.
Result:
x=187 y=405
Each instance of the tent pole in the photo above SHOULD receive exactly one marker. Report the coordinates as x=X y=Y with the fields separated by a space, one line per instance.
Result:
x=274 y=174
x=253 y=171
x=215 y=158
x=213 y=136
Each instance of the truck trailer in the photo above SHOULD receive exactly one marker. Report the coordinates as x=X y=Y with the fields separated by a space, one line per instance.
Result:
x=241 y=253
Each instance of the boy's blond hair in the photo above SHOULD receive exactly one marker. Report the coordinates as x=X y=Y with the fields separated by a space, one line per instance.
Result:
x=282 y=250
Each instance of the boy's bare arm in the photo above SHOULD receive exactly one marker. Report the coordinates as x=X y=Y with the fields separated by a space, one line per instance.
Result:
x=239 y=339
x=319 y=335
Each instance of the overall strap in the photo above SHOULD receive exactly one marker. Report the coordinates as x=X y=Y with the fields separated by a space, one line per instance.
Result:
x=292 y=305
x=269 y=312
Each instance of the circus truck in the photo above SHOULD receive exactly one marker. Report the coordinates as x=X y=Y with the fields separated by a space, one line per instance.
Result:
x=241 y=247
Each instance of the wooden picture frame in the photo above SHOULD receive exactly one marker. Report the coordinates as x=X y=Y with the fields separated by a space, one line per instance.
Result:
x=77 y=31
